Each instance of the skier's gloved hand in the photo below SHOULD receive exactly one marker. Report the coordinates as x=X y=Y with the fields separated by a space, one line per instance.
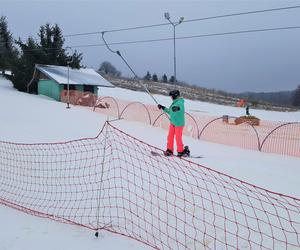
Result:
x=175 y=108
x=161 y=107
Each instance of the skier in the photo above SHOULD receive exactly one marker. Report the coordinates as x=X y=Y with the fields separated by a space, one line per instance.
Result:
x=247 y=109
x=177 y=122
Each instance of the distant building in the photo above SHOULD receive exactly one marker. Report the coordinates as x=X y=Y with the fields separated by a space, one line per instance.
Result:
x=52 y=81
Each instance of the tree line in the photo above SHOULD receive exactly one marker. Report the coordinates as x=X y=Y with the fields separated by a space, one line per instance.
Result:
x=154 y=78
x=20 y=57
x=296 y=97
x=109 y=69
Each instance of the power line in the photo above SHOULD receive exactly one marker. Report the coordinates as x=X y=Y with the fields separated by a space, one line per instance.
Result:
x=244 y=13
x=15 y=41
x=116 y=30
x=241 y=32
x=169 y=38
x=186 y=21
x=190 y=37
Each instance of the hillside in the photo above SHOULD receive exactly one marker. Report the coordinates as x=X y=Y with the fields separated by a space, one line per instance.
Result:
x=281 y=98
x=192 y=93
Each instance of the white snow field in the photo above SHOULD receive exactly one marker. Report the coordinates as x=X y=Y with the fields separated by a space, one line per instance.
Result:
x=30 y=119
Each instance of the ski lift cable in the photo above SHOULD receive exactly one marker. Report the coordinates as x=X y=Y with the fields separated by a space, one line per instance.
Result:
x=167 y=39
x=135 y=75
x=187 y=21
x=184 y=21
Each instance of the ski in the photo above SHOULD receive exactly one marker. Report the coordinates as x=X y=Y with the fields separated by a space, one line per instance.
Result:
x=162 y=154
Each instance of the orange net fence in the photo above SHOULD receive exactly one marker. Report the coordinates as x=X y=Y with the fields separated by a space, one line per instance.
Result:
x=271 y=137
x=76 y=97
x=113 y=182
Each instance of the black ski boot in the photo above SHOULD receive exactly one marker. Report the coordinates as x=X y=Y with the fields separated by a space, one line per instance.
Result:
x=185 y=152
x=168 y=152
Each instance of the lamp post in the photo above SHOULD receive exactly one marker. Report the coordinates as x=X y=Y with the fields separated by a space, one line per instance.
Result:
x=167 y=16
x=68 y=85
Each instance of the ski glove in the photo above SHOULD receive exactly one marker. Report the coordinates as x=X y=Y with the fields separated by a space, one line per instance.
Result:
x=175 y=108
x=161 y=107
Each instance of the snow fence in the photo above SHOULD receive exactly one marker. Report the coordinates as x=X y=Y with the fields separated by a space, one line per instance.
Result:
x=270 y=137
x=112 y=182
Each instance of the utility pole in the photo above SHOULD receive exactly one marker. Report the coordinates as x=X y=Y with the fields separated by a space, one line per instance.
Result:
x=167 y=16
x=69 y=61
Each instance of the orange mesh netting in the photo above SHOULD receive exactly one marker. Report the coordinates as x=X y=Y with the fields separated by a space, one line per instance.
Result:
x=113 y=182
x=273 y=137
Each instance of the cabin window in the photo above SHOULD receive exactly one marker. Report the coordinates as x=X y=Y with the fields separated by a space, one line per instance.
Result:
x=71 y=87
x=88 y=88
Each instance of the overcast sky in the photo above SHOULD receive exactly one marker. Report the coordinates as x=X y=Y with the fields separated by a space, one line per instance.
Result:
x=263 y=61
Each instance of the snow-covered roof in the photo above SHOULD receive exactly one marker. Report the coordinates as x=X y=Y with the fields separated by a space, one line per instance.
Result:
x=76 y=76
x=8 y=72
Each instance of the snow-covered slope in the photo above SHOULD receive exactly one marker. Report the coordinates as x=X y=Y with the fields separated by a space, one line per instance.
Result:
x=30 y=118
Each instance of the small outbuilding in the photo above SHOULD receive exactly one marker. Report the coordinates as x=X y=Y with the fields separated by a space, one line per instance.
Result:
x=53 y=81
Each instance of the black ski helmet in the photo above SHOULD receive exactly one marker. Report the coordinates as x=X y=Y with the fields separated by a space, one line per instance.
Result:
x=174 y=94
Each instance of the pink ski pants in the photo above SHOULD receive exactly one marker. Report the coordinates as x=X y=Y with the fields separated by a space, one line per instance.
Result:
x=177 y=131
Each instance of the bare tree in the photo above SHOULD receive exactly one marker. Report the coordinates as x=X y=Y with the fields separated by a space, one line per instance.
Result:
x=109 y=69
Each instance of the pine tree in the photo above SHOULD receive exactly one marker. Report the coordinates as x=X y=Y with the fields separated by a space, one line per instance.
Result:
x=51 y=42
x=154 y=78
x=172 y=79
x=147 y=76
x=296 y=97
x=48 y=50
x=164 y=78
x=8 y=53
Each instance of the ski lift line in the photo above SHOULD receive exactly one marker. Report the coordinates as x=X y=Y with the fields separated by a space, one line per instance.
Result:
x=54 y=48
x=167 y=39
x=187 y=21
x=240 y=32
x=184 y=21
x=243 y=13
x=119 y=54
x=189 y=37
x=117 y=30
x=105 y=43
x=20 y=40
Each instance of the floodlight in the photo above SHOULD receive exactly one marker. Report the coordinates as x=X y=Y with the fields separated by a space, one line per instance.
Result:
x=167 y=15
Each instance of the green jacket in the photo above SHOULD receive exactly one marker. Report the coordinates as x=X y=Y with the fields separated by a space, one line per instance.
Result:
x=176 y=112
